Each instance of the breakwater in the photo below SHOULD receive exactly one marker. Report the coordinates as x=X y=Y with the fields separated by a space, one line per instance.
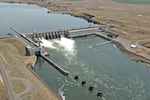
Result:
x=64 y=72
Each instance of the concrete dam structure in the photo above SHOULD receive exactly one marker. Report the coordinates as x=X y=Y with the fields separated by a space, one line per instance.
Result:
x=73 y=33
x=49 y=35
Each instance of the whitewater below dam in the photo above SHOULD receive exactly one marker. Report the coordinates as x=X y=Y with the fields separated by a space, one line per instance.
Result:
x=105 y=66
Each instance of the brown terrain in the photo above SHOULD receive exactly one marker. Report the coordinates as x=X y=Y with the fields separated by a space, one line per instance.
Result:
x=25 y=85
x=130 y=21
x=3 y=91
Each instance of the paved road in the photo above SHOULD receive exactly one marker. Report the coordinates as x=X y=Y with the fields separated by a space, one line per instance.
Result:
x=7 y=82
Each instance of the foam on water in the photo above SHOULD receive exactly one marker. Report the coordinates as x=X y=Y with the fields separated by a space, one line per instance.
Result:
x=114 y=45
x=61 y=92
x=67 y=46
x=47 y=43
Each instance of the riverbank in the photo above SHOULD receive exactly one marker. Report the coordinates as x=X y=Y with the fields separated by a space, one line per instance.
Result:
x=132 y=54
x=131 y=21
x=24 y=83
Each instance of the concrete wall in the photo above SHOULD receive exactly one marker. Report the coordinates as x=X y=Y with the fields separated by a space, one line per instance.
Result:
x=29 y=51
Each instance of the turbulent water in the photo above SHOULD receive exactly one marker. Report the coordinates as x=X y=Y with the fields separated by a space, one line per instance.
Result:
x=46 y=43
x=65 y=45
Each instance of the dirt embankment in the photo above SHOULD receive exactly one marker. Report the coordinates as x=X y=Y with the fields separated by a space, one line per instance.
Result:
x=25 y=85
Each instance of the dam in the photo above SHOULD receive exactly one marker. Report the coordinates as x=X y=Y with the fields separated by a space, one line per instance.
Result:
x=74 y=33
x=33 y=38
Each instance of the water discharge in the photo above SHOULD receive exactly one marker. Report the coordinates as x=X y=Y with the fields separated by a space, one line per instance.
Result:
x=66 y=45
x=47 y=43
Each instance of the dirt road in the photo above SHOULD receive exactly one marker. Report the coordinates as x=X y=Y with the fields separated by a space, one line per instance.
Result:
x=7 y=82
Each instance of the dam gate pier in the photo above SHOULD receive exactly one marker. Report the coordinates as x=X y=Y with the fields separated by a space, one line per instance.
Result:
x=101 y=31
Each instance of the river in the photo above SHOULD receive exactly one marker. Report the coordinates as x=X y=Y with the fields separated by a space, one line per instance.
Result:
x=105 y=67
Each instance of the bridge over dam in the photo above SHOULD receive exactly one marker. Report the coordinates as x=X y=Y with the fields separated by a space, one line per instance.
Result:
x=73 y=33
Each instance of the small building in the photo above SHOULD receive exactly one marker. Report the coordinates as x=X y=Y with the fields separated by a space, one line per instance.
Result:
x=133 y=46
x=29 y=51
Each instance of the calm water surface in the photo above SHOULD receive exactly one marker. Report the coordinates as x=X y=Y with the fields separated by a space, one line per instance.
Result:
x=105 y=67
x=31 y=18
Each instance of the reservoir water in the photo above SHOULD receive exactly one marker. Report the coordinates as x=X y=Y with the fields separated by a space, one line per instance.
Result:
x=105 y=67
x=31 y=18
